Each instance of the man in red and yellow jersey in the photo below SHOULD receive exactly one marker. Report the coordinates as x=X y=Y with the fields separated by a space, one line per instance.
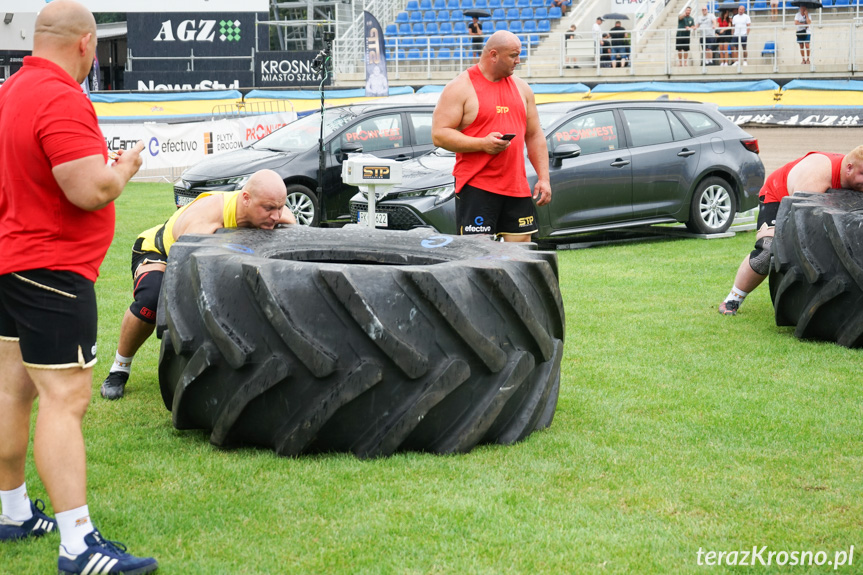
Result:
x=487 y=116
x=260 y=204
x=815 y=172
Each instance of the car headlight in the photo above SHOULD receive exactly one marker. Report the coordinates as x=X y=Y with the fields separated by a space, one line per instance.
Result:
x=443 y=193
x=237 y=181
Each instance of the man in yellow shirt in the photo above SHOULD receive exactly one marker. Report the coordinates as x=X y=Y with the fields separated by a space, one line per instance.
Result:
x=260 y=204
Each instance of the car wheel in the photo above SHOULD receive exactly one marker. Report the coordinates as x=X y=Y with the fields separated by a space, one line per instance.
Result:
x=303 y=202
x=307 y=340
x=713 y=207
x=816 y=280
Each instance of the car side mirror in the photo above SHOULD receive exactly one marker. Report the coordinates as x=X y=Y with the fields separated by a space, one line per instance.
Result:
x=563 y=152
x=352 y=148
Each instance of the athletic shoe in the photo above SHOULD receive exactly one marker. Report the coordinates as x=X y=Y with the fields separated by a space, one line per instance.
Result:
x=114 y=385
x=103 y=556
x=729 y=307
x=36 y=526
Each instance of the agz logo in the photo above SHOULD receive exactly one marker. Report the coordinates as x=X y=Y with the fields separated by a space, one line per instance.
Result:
x=199 y=31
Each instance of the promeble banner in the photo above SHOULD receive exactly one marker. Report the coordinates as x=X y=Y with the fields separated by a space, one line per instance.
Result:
x=377 y=83
x=146 y=5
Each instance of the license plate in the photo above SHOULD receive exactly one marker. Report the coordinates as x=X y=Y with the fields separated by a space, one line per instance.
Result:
x=381 y=220
x=182 y=200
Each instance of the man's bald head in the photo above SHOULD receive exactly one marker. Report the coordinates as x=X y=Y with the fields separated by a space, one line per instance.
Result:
x=502 y=40
x=263 y=199
x=266 y=182
x=500 y=56
x=63 y=22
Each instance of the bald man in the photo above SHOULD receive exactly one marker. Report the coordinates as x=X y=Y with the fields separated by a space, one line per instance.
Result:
x=260 y=204
x=486 y=115
x=815 y=172
x=56 y=224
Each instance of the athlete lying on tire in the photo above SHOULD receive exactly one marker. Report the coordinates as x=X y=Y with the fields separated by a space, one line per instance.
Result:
x=260 y=204
x=814 y=172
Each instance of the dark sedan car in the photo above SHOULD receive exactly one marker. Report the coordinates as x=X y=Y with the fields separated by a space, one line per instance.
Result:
x=612 y=165
x=398 y=132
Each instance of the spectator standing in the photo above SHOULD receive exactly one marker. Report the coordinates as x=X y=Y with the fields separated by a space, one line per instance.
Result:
x=618 y=44
x=742 y=24
x=774 y=10
x=803 y=23
x=597 y=38
x=706 y=26
x=723 y=35
x=605 y=55
x=56 y=199
x=475 y=110
x=685 y=24
x=570 y=35
x=474 y=30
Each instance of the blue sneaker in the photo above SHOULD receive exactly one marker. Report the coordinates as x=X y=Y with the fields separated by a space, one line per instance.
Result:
x=36 y=526
x=103 y=556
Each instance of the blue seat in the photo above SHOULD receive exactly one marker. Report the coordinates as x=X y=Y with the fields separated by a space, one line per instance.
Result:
x=759 y=5
x=452 y=5
x=534 y=39
x=515 y=26
x=443 y=16
x=421 y=42
x=402 y=17
x=543 y=26
x=456 y=15
x=401 y=55
x=537 y=4
x=412 y=5
x=431 y=29
x=526 y=14
x=390 y=43
x=416 y=16
x=513 y=14
x=480 y=4
x=508 y=3
x=769 y=49
x=499 y=25
x=842 y=4
x=445 y=28
x=443 y=54
x=498 y=14
x=826 y=3
x=492 y=4
x=435 y=42
x=554 y=13
x=540 y=13
x=425 y=5
x=391 y=30
x=529 y=26
x=522 y=4
x=523 y=53
x=417 y=29
x=466 y=4
x=427 y=55
x=439 y=5
x=429 y=16
x=459 y=29
x=405 y=29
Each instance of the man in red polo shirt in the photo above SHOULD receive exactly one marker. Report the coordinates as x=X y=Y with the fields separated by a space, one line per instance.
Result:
x=815 y=172
x=56 y=223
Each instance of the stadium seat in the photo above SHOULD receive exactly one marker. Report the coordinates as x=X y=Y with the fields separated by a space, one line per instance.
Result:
x=534 y=39
x=427 y=54
x=769 y=49
x=402 y=17
x=529 y=26
x=425 y=5
x=391 y=30
x=435 y=42
x=442 y=16
x=412 y=5
x=523 y=53
x=421 y=42
x=498 y=14
x=540 y=13
x=499 y=25
x=416 y=16
x=443 y=54
x=445 y=28
x=508 y=4
x=452 y=5
x=405 y=29
x=515 y=26
x=456 y=15
x=439 y=5
x=842 y=4
x=554 y=13
x=522 y=4
x=466 y=4
x=417 y=29
x=480 y=4
x=526 y=14
x=401 y=55
x=492 y=4
x=543 y=26
x=513 y=14
x=759 y=5
x=431 y=29
x=429 y=16
x=459 y=29
x=537 y=4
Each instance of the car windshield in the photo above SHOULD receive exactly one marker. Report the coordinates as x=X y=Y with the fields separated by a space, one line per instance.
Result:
x=303 y=133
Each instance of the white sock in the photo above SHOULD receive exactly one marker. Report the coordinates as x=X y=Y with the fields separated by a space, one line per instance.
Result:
x=122 y=363
x=16 y=504
x=737 y=294
x=74 y=525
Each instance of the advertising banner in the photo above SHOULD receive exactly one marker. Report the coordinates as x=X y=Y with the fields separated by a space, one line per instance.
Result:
x=156 y=81
x=377 y=83
x=196 y=6
x=171 y=35
x=178 y=145
x=281 y=69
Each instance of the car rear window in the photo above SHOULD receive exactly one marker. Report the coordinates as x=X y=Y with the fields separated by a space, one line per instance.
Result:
x=422 y=125
x=647 y=127
x=698 y=123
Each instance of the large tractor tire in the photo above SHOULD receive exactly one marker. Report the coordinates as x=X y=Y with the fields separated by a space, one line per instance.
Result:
x=309 y=340
x=816 y=280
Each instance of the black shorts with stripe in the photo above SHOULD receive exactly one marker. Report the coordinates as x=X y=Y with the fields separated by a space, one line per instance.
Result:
x=480 y=212
x=52 y=316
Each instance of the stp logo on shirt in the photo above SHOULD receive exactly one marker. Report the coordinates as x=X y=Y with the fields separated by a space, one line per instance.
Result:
x=503 y=109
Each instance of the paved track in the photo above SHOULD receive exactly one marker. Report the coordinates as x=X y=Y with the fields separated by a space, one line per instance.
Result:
x=781 y=145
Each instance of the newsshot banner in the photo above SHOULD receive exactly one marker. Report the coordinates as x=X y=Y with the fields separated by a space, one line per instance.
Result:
x=280 y=69
x=157 y=81
x=178 y=145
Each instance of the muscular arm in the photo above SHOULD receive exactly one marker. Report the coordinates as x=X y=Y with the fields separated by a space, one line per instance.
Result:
x=448 y=121
x=537 y=148
x=91 y=184
x=812 y=174
x=205 y=216
x=287 y=217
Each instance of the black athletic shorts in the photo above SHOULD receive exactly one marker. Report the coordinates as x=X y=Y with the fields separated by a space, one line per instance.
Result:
x=140 y=256
x=52 y=316
x=767 y=214
x=480 y=212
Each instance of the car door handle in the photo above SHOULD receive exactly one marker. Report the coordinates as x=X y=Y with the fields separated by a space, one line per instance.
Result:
x=684 y=153
x=619 y=163
x=402 y=157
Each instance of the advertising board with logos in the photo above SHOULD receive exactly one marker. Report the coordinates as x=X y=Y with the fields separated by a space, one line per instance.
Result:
x=216 y=34
x=280 y=69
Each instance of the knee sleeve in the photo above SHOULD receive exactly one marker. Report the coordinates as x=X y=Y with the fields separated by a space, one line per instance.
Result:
x=759 y=259
x=146 y=292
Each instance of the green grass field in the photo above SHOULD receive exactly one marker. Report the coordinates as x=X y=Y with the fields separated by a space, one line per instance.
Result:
x=677 y=430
